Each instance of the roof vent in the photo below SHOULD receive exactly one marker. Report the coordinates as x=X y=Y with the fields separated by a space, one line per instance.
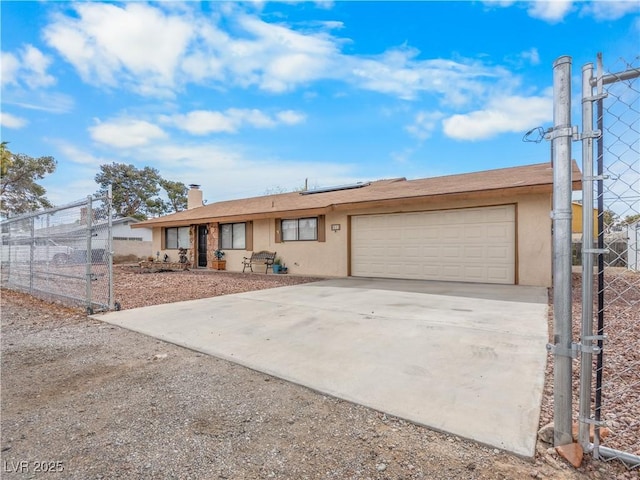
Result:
x=335 y=188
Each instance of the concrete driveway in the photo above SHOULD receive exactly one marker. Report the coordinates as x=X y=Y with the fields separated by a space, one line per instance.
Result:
x=462 y=358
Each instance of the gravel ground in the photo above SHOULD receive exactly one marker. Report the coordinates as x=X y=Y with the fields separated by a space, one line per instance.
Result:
x=621 y=368
x=86 y=400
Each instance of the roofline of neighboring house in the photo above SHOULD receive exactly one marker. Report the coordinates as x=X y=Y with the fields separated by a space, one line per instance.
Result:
x=124 y=219
x=521 y=190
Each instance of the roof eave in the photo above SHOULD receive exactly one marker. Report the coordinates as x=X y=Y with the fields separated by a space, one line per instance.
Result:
x=479 y=194
x=358 y=205
x=297 y=213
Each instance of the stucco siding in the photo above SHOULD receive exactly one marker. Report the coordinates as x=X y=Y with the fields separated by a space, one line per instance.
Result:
x=534 y=241
x=139 y=249
x=328 y=258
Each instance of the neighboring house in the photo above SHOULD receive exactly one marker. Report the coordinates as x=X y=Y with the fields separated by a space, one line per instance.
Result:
x=576 y=222
x=127 y=242
x=122 y=231
x=633 y=230
x=73 y=236
x=488 y=227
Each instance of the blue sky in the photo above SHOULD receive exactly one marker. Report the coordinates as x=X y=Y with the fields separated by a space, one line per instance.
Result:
x=245 y=98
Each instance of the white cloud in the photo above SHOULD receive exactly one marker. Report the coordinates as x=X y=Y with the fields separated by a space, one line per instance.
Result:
x=244 y=173
x=277 y=58
x=550 y=11
x=554 y=11
x=157 y=50
x=424 y=124
x=253 y=117
x=291 y=117
x=77 y=155
x=70 y=190
x=243 y=178
x=126 y=133
x=403 y=156
x=136 y=43
x=192 y=160
x=399 y=72
x=610 y=10
x=203 y=122
x=332 y=24
x=499 y=3
x=43 y=101
x=505 y=114
x=532 y=56
x=27 y=67
x=35 y=63
x=324 y=4
x=11 y=121
x=10 y=67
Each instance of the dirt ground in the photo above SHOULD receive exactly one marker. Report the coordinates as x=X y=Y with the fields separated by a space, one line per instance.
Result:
x=85 y=400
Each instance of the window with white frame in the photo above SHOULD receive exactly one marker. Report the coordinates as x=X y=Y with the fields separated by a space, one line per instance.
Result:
x=300 y=229
x=232 y=236
x=176 y=237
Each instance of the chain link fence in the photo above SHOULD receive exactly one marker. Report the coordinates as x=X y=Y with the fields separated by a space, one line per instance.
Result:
x=61 y=254
x=610 y=370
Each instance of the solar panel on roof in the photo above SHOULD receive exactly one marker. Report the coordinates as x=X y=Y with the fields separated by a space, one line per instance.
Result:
x=335 y=188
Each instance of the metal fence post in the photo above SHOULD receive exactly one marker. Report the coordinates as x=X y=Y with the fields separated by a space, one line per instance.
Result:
x=586 y=359
x=89 y=262
x=109 y=246
x=32 y=249
x=561 y=138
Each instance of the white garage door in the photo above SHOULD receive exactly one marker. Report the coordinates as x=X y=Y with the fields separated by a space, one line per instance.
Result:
x=466 y=245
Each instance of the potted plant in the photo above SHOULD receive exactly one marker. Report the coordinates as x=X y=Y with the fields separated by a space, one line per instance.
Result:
x=218 y=263
x=277 y=265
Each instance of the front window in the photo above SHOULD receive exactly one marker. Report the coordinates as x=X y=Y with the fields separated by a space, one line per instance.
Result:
x=232 y=236
x=300 y=229
x=176 y=237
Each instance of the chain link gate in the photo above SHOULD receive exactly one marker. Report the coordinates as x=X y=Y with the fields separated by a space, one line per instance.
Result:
x=609 y=400
x=62 y=254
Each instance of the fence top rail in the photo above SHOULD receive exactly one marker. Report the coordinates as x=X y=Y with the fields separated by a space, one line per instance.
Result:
x=616 y=77
x=37 y=213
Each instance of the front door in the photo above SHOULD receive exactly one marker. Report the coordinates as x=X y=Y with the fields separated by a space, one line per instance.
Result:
x=202 y=245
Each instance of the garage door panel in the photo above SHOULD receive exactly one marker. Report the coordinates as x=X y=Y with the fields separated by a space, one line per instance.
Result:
x=453 y=232
x=413 y=232
x=498 y=232
x=498 y=214
x=474 y=273
x=498 y=275
x=474 y=252
x=451 y=252
x=412 y=251
x=476 y=244
x=474 y=233
x=498 y=253
x=453 y=272
x=430 y=234
x=430 y=252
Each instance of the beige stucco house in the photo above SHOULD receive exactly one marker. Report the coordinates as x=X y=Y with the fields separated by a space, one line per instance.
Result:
x=488 y=227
